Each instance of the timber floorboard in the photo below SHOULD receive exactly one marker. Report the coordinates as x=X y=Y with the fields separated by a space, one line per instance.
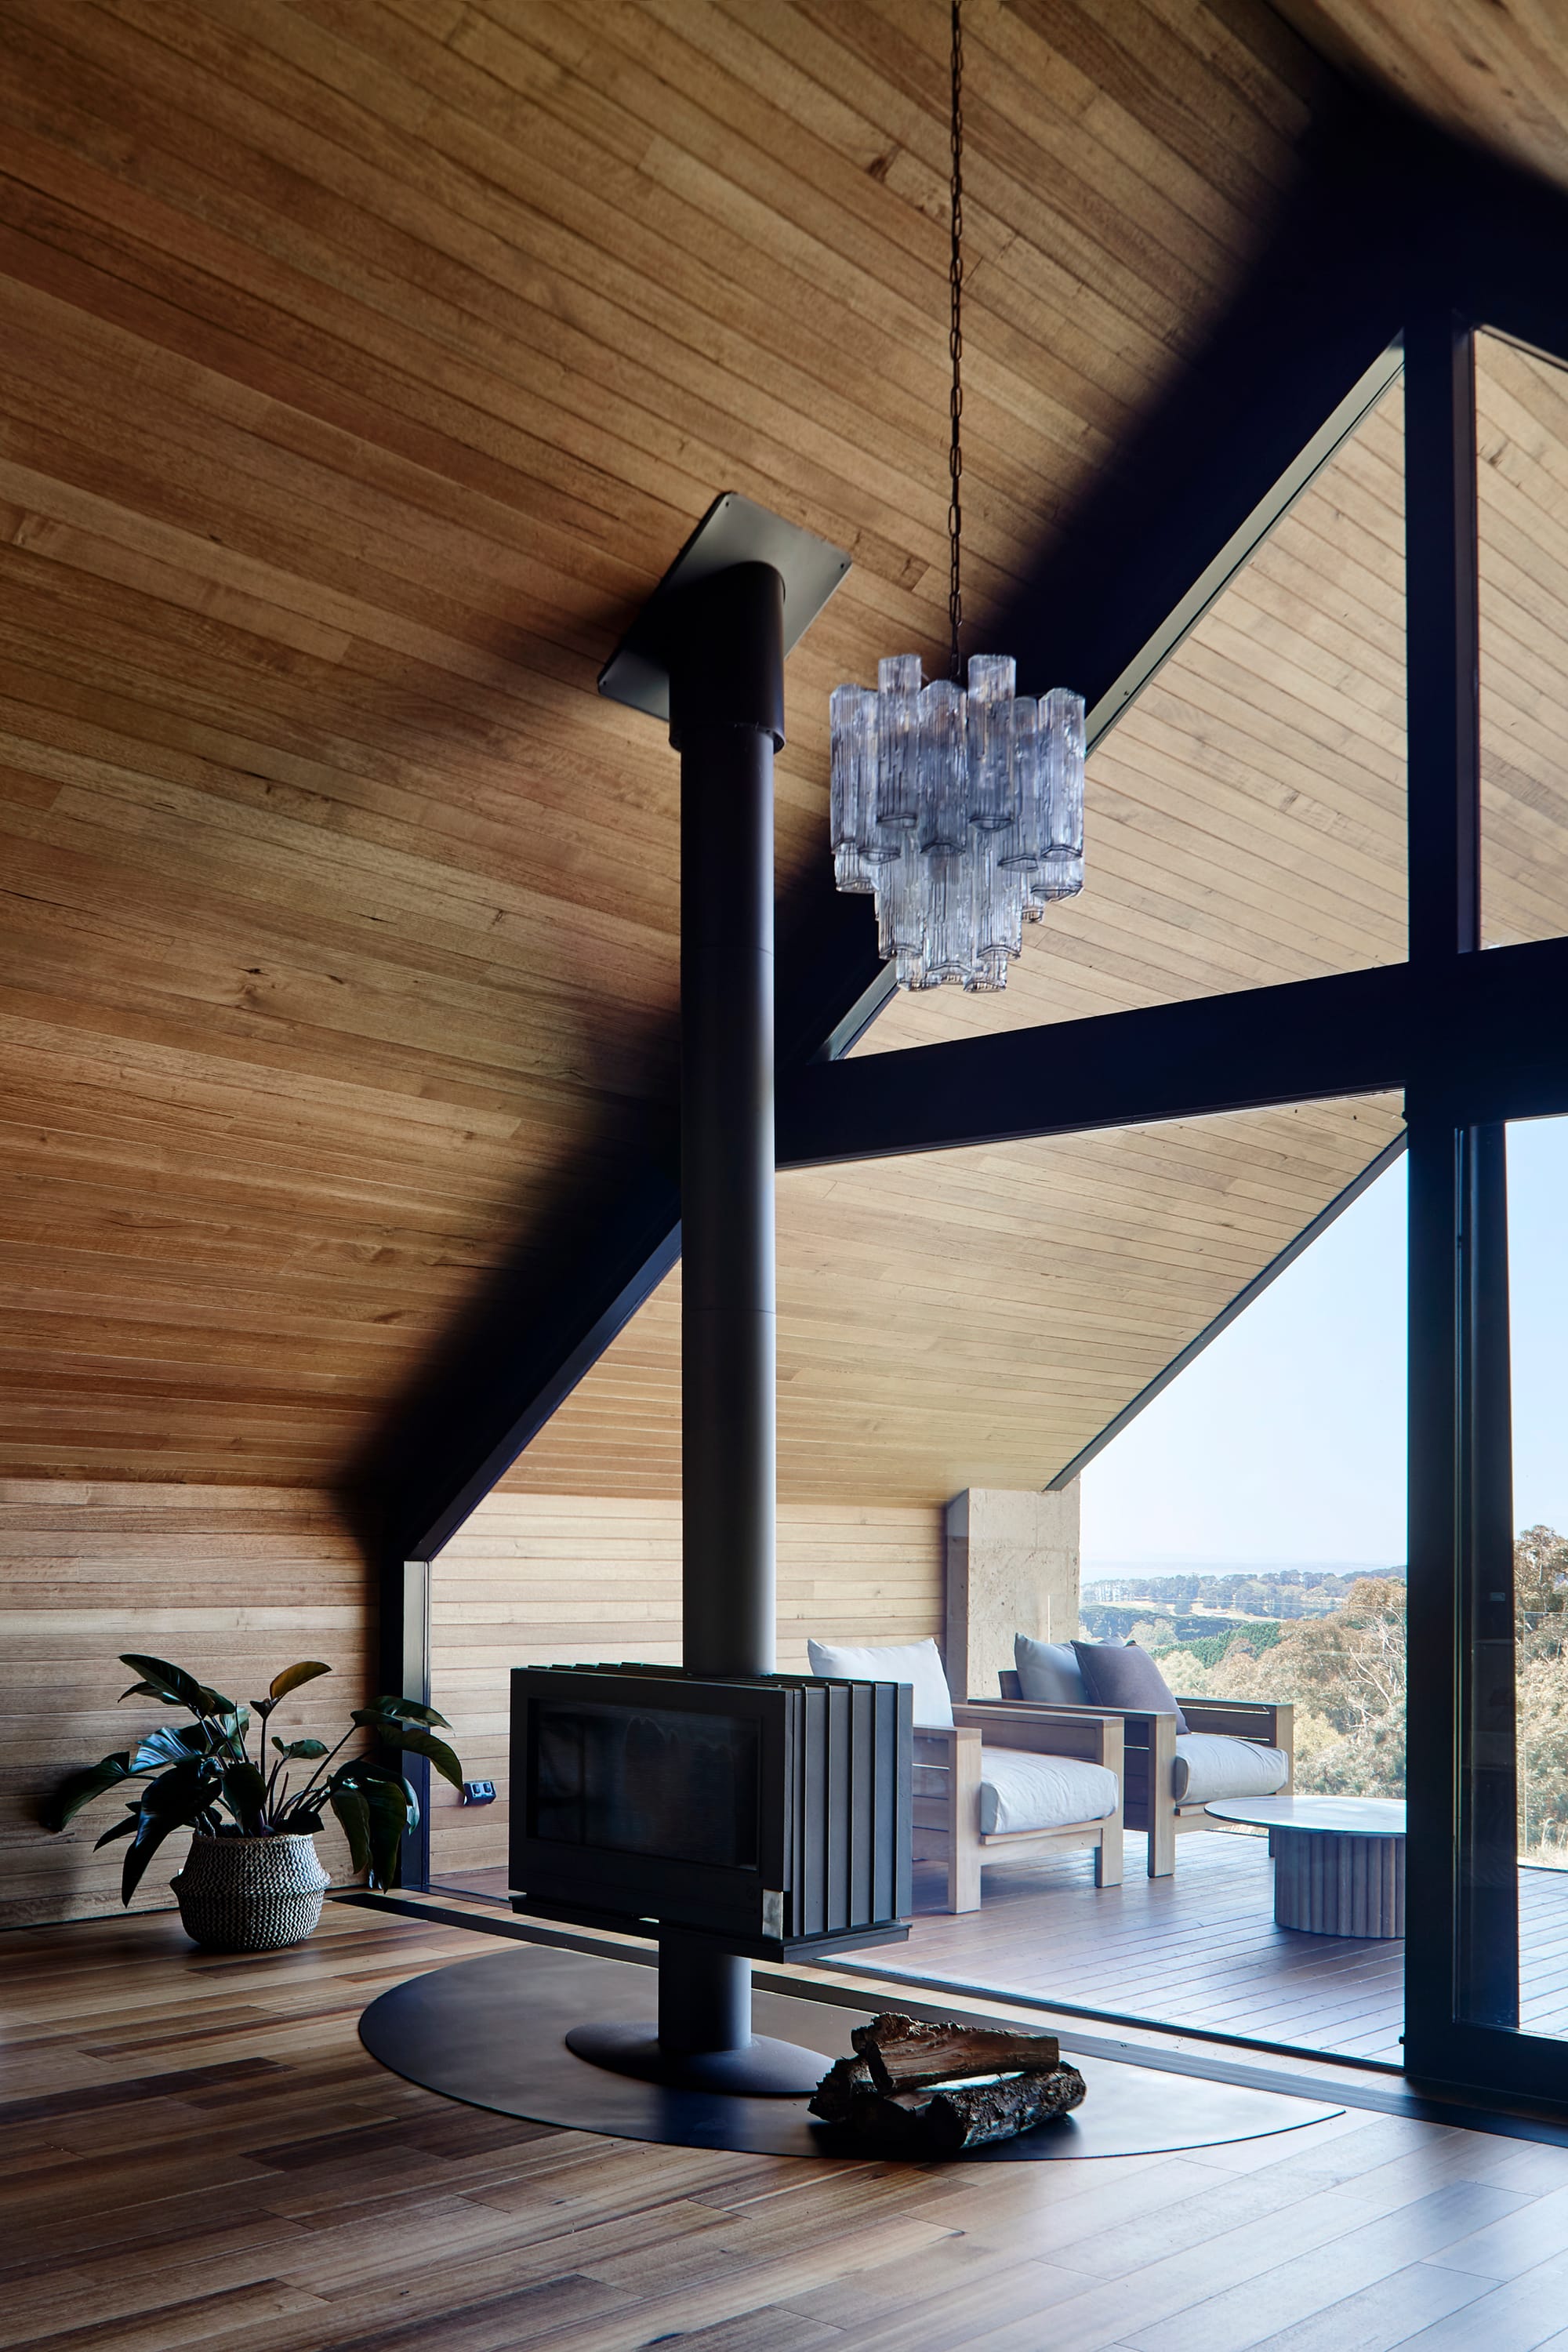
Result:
x=1197 y=1949
x=197 y=2151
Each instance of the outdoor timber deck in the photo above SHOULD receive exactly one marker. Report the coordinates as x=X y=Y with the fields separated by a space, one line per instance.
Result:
x=1198 y=1950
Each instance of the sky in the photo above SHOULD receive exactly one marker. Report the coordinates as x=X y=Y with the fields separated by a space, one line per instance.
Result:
x=1284 y=1442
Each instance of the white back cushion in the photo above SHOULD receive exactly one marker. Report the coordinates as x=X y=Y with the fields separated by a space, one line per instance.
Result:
x=918 y=1663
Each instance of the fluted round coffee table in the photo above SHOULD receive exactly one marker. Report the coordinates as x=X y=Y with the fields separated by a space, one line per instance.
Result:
x=1339 y=1862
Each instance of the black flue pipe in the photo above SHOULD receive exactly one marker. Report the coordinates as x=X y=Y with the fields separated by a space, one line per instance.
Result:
x=726 y=721
x=726 y=666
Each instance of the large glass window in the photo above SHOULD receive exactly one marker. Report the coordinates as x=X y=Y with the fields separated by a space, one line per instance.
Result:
x=1228 y=1297
x=1538 y=1320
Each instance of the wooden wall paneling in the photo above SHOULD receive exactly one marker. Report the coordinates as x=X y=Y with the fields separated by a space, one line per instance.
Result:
x=561 y=1578
x=233 y=1582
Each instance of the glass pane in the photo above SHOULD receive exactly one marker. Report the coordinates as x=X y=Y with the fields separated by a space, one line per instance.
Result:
x=1538 y=1317
x=1244 y=1522
x=1521 y=432
x=1245 y=817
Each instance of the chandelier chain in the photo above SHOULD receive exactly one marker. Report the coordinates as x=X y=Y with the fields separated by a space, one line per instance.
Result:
x=955 y=347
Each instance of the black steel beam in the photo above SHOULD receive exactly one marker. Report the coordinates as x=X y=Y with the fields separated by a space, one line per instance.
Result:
x=506 y=1368
x=403 y=1656
x=1443 y=701
x=1491 y=1024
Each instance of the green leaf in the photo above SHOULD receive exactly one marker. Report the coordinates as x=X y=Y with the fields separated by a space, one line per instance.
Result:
x=245 y=1792
x=354 y=1814
x=292 y=1676
x=127 y=1828
x=391 y=1813
x=173 y=1801
x=372 y=1767
x=172 y=1743
x=418 y=1742
x=229 y=1731
x=391 y=1806
x=79 y=1788
x=162 y=1680
x=398 y=1710
x=311 y=1747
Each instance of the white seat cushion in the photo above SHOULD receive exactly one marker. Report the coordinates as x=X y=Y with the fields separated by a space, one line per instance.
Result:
x=1211 y=1764
x=918 y=1663
x=1023 y=1791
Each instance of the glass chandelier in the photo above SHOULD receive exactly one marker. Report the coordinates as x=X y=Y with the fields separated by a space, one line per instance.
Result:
x=960 y=811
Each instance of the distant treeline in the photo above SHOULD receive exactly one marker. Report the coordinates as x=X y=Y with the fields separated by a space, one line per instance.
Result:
x=1268 y=1592
x=1148 y=1623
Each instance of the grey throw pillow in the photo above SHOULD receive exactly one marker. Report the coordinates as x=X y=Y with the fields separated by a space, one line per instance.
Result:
x=1048 y=1673
x=1118 y=1676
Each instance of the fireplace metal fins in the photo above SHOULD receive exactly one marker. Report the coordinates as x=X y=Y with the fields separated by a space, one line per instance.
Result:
x=773 y=1814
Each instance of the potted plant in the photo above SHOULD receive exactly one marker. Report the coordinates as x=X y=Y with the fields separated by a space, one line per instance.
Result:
x=253 y=1881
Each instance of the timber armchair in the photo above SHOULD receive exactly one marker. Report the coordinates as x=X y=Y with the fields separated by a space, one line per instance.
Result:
x=1179 y=1756
x=1017 y=1786
x=997 y=1784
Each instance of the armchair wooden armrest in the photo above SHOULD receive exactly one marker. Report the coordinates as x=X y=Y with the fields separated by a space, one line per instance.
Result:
x=1243 y=1718
x=1093 y=1734
x=948 y=1772
x=1011 y=1697
x=1270 y=1722
x=947 y=1809
x=1148 y=1782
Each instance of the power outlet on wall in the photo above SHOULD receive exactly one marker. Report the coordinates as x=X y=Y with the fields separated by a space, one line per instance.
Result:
x=479 y=1792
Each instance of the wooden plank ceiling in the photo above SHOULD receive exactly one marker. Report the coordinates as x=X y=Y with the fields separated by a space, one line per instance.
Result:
x=366 y=362
x=1521 y=436
x=1494 y=73
x=973 y=1318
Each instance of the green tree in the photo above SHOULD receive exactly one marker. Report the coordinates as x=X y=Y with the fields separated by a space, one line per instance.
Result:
x=1541 y=1668
x=1345 y=1673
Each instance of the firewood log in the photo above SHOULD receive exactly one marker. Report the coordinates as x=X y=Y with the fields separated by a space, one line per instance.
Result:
x=905 y=2054
x=845 y=2080
x=931 y=2125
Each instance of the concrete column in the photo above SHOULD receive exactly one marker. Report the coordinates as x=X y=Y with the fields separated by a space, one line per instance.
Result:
x=1012 y=1567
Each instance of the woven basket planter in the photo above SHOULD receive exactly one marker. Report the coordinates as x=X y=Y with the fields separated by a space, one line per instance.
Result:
x=251 y=1895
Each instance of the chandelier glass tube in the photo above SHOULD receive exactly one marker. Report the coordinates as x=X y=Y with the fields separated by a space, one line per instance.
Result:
x=960 y=812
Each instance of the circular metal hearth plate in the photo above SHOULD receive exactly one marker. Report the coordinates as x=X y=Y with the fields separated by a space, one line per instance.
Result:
x=493 y=2033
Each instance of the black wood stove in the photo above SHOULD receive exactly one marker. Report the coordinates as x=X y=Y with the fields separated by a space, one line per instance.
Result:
x=769 y=1813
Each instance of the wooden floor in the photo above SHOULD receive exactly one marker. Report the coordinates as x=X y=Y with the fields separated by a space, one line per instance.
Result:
x=198 y=2152
x=1197 y=1949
